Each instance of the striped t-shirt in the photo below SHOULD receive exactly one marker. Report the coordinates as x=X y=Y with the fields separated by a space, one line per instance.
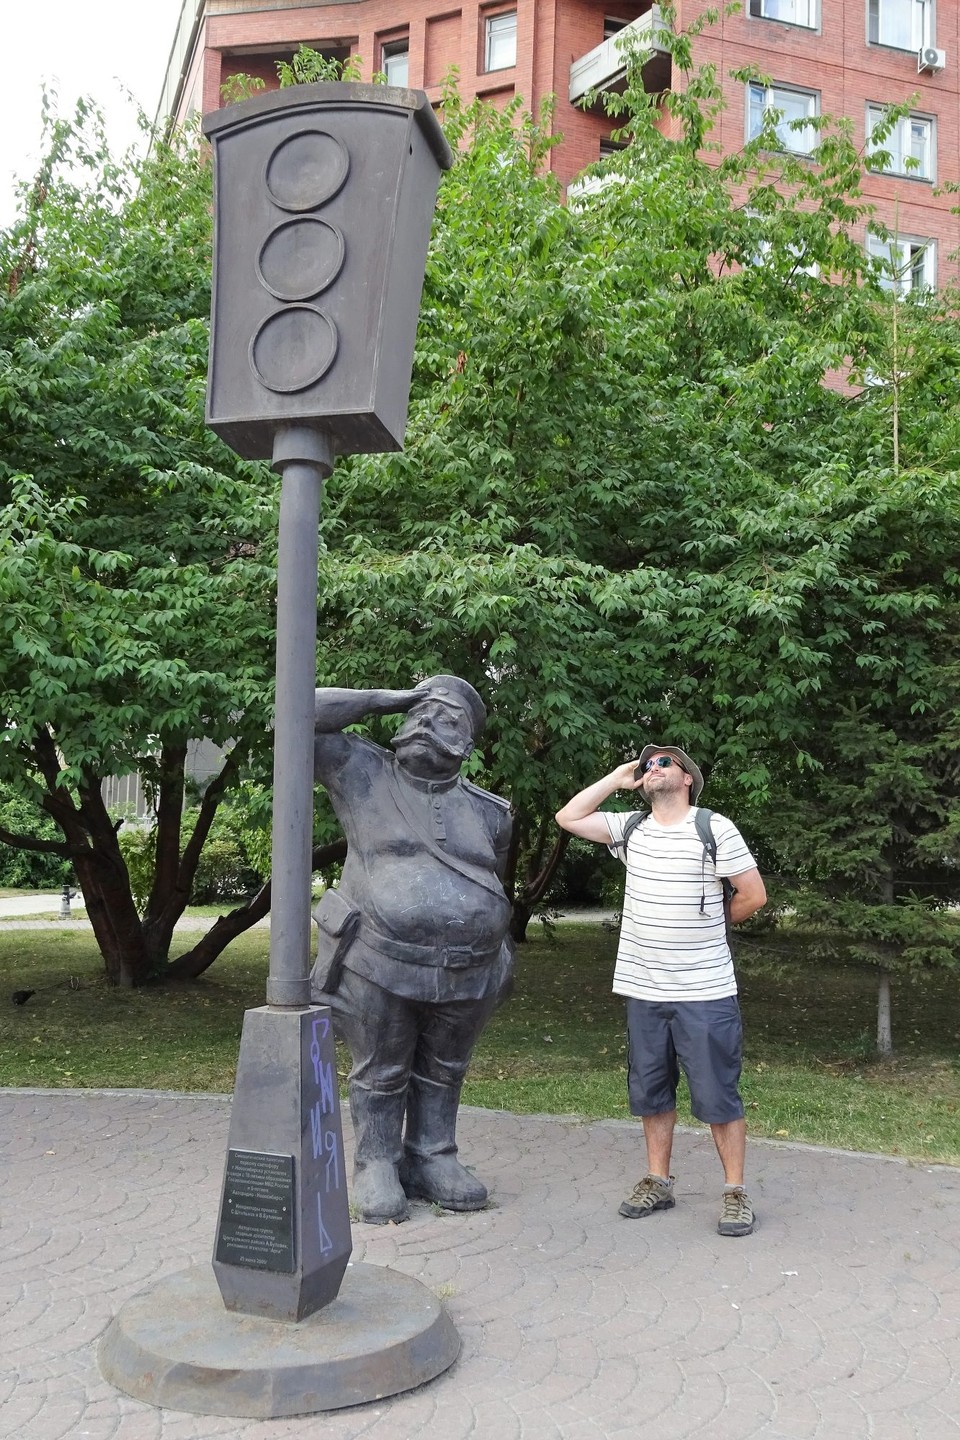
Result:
x=668 y=949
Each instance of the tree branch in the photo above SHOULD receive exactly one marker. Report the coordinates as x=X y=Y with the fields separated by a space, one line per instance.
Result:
x=227 y=927
x=536 y=888
x=42 y=847
x=209 y=805
x=169 y=821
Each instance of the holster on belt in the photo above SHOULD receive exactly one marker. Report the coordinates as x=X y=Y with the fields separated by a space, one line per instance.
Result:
x=337 y=922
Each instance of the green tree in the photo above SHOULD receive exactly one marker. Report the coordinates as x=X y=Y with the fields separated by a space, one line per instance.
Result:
x=611 y=399
x=136 y=570
x=637 y=499
x=29 y=869
x=870 y=837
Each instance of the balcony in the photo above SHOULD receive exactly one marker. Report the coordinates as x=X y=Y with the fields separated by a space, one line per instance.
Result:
x=605 y=66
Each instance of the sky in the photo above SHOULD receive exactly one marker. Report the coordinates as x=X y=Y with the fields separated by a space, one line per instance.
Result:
x=78 y=47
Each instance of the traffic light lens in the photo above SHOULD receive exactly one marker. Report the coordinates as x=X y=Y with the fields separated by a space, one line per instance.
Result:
x=301 y=258
x=306 y=170
x=293 y=349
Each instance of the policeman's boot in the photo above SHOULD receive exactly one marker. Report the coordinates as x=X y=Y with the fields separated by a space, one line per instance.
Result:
x=430 y=1169
x=377 y=1124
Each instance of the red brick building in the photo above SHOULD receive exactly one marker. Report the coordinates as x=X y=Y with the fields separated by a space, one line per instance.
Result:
x=838 y=57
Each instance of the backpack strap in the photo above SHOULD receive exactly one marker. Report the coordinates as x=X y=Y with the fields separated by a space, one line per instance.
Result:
x=635 y=819
x=703 y=820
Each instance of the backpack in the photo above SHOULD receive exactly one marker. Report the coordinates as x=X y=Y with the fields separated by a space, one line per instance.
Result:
x=703 y=821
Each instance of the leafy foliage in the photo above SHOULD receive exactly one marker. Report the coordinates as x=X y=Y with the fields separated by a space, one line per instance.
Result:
x=588 y=517
x=677 y=468
x=28 y=869
x=224 y=870
x=647 y=493
x=135 y=562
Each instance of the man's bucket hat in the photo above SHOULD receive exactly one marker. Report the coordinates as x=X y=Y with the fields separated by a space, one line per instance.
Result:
x=682 y=757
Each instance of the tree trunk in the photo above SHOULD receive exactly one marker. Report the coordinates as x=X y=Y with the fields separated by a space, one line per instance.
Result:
x=116 y=925
x=520 y=913
x=884 y=1025
x=884 y=1013
x=539 y=874
x=91 y=838
x=115 y=919
x=134 y=950
x=176 y=872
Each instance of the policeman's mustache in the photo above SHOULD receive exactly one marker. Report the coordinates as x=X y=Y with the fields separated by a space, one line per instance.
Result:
x=450 y=752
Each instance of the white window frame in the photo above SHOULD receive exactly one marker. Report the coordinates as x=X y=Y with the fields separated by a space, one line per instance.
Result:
x=900 y=144
x=764 y=254
x=805 y=13
x=797 y=142
x=391 y=53
x=498 y=32
x=888 y=20
x=916 y=261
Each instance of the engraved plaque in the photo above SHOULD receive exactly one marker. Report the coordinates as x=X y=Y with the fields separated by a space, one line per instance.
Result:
x=256 y=1216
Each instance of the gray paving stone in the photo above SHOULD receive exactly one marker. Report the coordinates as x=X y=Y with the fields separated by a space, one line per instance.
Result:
x=840 y=1316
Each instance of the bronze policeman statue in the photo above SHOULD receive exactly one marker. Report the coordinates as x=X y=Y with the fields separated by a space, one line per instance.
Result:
x=413 y=954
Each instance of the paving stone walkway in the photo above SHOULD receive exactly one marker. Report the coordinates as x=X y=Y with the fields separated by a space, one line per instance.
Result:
x=839 y=1317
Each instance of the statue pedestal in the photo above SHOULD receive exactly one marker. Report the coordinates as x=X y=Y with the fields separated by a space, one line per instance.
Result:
x=175 y=1346
x=283 y=1238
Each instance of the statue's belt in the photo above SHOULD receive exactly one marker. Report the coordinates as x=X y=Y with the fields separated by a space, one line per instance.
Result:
x=446 y=957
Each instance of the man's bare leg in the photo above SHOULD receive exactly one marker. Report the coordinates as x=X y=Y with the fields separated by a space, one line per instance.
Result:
x=658 y=1133
x=731 y=1143
x=651 y=1194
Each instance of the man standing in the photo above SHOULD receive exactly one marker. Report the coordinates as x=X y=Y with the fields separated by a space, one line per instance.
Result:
x=413 y=955
x=675 y=967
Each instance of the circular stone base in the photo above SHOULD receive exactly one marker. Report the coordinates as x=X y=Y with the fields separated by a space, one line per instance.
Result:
x=176 y=1346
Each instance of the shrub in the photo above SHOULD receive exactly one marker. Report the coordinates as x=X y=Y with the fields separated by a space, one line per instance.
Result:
x=28 y=869
x=225 y=870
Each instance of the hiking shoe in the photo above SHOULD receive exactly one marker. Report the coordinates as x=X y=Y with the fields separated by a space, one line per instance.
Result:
x=736 y=1217
x=649 y=1194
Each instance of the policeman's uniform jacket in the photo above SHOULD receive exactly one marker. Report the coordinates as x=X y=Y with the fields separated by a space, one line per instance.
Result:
x=420 y=909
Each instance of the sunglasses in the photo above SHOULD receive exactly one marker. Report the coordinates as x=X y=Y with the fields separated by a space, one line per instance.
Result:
x=662 y=762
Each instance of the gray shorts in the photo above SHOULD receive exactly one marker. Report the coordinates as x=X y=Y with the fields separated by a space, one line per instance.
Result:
x=704 y=1038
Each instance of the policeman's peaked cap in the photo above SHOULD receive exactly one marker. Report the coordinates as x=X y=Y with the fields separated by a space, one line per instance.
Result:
x=460 y=693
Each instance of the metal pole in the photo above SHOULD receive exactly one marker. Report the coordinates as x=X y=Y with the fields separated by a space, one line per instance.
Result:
x=304 y=457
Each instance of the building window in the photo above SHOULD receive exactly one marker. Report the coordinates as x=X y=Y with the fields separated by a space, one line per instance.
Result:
x=909 y=144
x=790 y=12
x=789 y=261
x=906 y=265
x=612 y=26
x=500 y=48
x=903 y=24
x=786 y=259
x=395 y=61
x=790 y=108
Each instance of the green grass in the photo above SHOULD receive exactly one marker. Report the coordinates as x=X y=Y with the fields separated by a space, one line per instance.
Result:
x=79 y=1031
x=809 y=1067
x=557 y=1047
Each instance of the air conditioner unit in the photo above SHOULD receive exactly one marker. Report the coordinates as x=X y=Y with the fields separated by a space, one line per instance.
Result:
x=930 y=59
